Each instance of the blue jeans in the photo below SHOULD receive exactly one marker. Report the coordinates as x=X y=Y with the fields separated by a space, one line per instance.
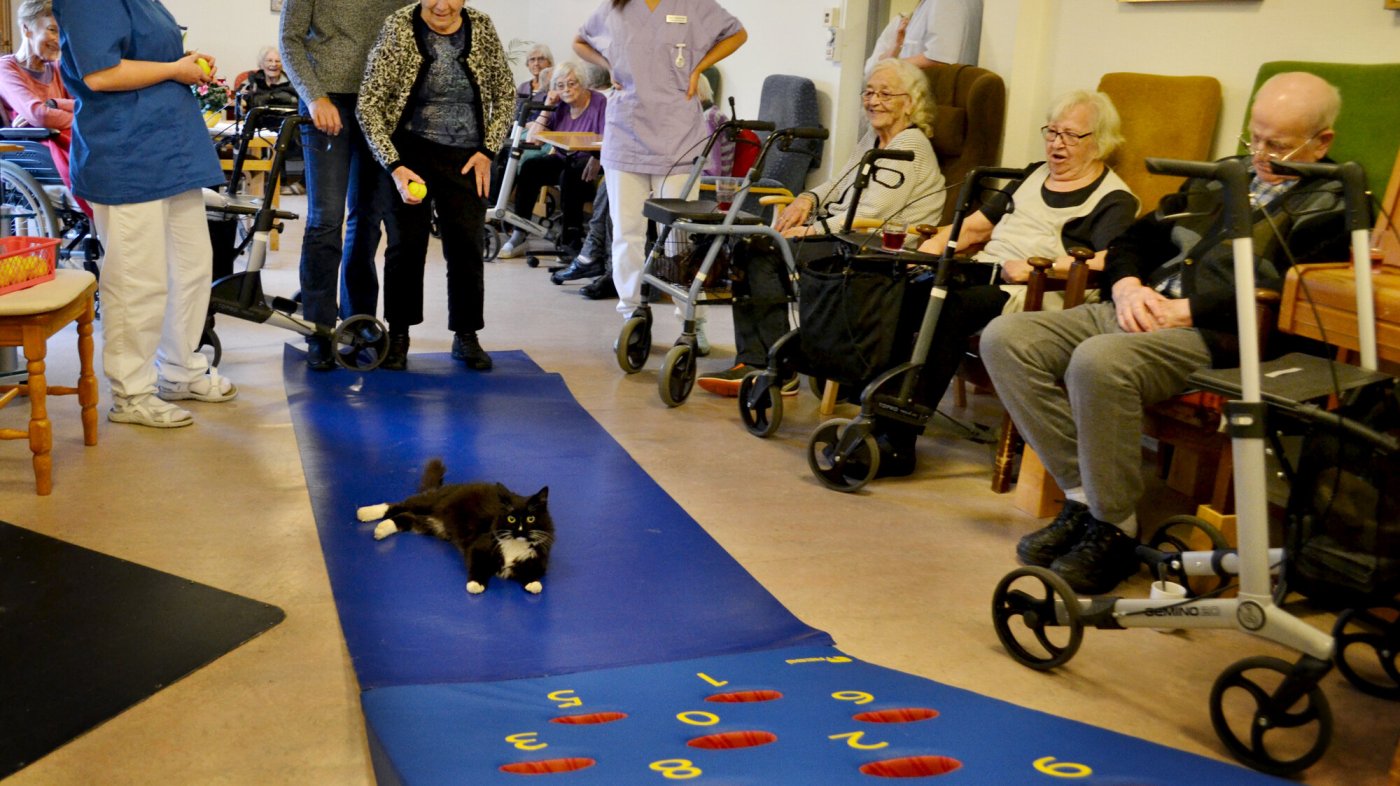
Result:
x=341 y=172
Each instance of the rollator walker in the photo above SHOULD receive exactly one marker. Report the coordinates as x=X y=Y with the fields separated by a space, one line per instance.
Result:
x=842 y=453
x=501 y=212
x=1030 y=603
x=680 y=219
x=358 y=343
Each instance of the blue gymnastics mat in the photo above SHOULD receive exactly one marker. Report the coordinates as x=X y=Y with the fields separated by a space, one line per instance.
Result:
x=805 y=716
x=633 y=579
x=651 y=656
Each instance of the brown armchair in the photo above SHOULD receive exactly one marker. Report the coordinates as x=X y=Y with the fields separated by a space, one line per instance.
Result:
x=968 y=127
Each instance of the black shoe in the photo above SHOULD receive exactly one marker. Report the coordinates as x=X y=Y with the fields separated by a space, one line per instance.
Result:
x=1055 y=539
x=396 y=357
x=318 y=354
x=467 y=349
x=897 y=456
x=577 y=269
x=1102 y=559
x=600 y=288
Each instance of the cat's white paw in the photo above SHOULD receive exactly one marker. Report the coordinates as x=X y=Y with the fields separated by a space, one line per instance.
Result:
x=372 y=512
x=385 y=528
x=534 y=587
x=474 y=588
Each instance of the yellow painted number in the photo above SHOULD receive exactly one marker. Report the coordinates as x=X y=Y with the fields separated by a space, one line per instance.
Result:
x=857 y=696
x=853 y=739
x=717 y=683
x=676 y=769
x=526 y=741
x=566 y=698
x=1062 y=769
x=698 y=718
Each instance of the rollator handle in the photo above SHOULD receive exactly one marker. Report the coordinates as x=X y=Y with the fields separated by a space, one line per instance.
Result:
x=753 y=125
x=1231 y=172
x=806 y=132
x=1352 y=176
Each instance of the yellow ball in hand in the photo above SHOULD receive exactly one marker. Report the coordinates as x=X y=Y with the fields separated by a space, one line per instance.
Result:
x=417 y=190
x=204 y=66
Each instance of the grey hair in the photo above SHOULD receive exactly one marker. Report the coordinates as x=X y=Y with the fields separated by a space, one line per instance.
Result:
x=540 y=49
x=565 y=69
x=264 y=52
x=30 y=11
x=913 y=82
x=1108 y=131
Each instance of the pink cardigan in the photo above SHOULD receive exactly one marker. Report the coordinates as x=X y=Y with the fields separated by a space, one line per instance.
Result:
x=25 y=96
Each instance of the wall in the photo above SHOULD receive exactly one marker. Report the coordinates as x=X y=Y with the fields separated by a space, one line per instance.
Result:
x=1041 y=47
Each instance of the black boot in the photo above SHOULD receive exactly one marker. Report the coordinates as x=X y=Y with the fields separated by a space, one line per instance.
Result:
x=467 y=349
x=318 y=354
x=601 y=288
x=396 y=358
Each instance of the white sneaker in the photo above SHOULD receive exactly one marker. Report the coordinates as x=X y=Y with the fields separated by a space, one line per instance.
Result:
x=515 y=247
x=211 y=387
x=702 y=342
x=147 y=410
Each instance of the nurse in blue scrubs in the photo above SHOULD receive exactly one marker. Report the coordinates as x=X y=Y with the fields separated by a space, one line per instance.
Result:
x=141 y=155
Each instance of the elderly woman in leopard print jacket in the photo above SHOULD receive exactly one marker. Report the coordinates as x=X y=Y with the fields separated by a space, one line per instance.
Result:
x=436 y=101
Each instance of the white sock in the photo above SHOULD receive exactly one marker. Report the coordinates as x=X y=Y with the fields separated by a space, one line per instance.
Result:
x=1077 y=494
x=517 y=237
x=1129 y=525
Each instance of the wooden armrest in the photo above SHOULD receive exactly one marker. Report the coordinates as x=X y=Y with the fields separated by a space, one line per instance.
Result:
x=863 y=224
x=776 y=199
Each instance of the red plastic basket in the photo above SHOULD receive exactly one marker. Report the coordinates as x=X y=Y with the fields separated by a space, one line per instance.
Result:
x=26 y=261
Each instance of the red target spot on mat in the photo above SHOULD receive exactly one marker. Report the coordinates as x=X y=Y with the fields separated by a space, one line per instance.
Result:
x=548 y=766
x=732 y=740
x=590 y=718
x=745 y=696
x=911 y=767
x=901 y=715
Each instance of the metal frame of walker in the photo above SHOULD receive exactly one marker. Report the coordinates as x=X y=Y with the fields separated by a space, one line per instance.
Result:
x=698 y=217
x=501 y=212
x=1296 y=701
x=358 y=342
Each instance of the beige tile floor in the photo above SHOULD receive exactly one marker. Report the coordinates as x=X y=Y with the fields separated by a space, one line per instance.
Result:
x=901 y=576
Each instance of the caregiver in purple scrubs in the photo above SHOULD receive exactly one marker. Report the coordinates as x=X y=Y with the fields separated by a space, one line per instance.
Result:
x=656 y=50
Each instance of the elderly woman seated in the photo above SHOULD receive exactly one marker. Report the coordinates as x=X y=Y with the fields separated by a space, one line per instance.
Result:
x=1071 y=199
x=268 y=85
x=30 y=84
x=900 y=111
x=577 y=109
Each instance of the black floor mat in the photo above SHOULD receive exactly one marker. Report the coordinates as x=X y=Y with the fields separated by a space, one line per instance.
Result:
x=83 y=636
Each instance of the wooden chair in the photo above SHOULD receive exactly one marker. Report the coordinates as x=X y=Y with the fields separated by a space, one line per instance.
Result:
x=27 y=319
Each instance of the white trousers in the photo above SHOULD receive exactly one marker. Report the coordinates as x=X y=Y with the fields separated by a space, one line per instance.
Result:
x=627 y=191
x=157 y=268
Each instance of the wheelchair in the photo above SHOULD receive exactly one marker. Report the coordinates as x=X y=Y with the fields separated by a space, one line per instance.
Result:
x=38 y=204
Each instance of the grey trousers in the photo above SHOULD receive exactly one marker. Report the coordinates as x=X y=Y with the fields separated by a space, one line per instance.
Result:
x=1076 y=384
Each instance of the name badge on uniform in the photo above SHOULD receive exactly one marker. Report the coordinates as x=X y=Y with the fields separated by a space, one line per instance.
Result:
x=676 y=19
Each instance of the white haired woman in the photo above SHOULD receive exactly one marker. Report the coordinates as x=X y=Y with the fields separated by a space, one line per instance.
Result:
x=31 y=86
x=900 y=111
x=1071 y=199
x=579 y=109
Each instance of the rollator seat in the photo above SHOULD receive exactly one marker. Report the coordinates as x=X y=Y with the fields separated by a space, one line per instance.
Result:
x=700 y=211
x=1292 y=378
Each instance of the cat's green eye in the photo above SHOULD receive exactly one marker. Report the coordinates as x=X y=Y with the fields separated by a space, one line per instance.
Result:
x=510 y=519
x=529 y=519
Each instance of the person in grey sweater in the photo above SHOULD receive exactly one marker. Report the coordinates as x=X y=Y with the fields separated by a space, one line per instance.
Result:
x=324 y=46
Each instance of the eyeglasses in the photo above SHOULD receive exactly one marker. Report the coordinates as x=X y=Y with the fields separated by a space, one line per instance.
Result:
x=537 y=59
x=1272 y=148
x=881 y=95
x=1068 y=137
x=569 y=85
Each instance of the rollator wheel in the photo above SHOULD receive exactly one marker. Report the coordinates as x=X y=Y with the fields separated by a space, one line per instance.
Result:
x=763 y=414
x=532 y=261
x=490 y=243
x=1035 y=599
x=360 y=343
x=677 y=375
x=1174 y=537
x=848 y=471
x=1367 y=646
x=634 y=344
x=1277 y=740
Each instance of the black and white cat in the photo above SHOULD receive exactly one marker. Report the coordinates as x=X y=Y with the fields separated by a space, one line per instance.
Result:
x=498 y=532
